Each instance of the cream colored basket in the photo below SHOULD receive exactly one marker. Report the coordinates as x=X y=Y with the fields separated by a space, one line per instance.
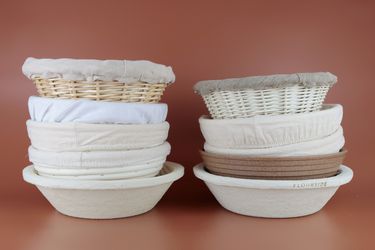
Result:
x=100 y=90
x=100 y=80
x=266 y=95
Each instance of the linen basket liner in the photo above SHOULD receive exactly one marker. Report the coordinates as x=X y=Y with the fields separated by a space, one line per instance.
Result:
x=266 y=82
x=124 y=71
x=97 y=159
x=109 y=176
x=271 y=130
x=326 y=145
x=60 y=137
x=95 y=171
x=44 y=109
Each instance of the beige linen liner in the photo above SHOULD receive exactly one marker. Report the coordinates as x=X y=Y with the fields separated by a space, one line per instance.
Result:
x=98 y=159
x=91 y=70
x=266 y=82
x=109 y=176
x=270 y=131
x=327 y=145
x=273 y=166
x=60 y=137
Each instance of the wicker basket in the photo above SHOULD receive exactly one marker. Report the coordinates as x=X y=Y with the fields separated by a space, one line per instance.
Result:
x=230 y=104
x=265 y=95
x=100 y=90
x=289 y=168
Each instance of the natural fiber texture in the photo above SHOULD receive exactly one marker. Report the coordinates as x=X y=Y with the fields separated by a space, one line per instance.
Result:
x=231 y=104
x=266 y=82
x=310 y=177
x=48 y=110
x=100 y=90
x=326 y=145
x=89 y=70
x=61 y=137
x=274 y=167
x=266 y=131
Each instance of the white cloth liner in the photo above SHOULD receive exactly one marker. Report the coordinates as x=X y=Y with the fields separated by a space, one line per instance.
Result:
x=327 y=145
x=60 y=137
x=95 y=171
x=90 y=70
x=44 y=109
x=97 y=159
x=265 y=131
x=150 y=172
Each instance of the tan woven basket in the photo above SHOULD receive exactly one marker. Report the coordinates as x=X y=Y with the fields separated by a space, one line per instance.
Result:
x=295 y=167
x=100 y=90
x=230 y=104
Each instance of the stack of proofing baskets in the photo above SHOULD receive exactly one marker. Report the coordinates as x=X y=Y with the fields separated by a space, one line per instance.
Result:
x=98 y=135
x=272 y=149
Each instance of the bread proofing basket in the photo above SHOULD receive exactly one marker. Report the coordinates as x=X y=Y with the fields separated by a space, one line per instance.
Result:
x=106 y=80
x=105 y=199
x=265 y=95
x=273 y=198
x=274 y=168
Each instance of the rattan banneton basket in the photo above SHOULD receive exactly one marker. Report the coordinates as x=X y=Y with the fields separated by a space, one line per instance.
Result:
x=100 y=80
x=265 y=95
x=100 y=90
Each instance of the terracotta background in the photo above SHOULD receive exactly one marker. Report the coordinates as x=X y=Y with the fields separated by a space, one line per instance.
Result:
x=200 y=40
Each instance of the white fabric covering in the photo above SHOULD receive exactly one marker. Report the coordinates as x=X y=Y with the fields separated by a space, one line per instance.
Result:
x=43 y=109
x=326 y=145
x=90 y=70
x=97 y=171
x=266 y=131
x=145 y=170
x=60 y=137
x=97 y=159
x=115 y=176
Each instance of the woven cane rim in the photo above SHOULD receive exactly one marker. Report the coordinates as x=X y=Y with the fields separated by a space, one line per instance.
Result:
x=277 y=101
x=100 y=90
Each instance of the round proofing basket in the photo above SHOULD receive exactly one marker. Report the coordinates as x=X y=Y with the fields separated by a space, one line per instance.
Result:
x=231 y=104
x=105 y=199
x=273 y=198
x=271 y=130
x=274 y=168
x=100 y=90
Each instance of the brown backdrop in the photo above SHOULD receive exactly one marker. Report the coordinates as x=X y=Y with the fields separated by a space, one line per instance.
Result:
x=200 y=40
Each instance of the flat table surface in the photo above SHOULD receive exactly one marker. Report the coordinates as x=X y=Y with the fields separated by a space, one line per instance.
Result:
x=189 y=221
